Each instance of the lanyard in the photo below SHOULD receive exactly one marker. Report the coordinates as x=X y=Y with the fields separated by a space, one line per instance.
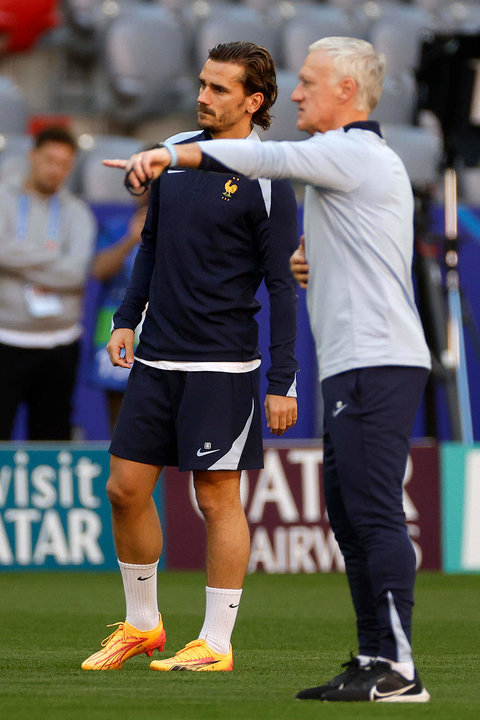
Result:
x=53 y=228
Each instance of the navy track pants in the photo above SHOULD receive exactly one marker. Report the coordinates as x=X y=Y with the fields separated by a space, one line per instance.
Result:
x=368 y=418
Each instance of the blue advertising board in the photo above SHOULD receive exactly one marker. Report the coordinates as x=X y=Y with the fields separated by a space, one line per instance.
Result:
x=461 y=507
x=54 y=510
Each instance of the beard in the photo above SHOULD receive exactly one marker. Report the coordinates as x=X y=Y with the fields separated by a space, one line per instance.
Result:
x=206 y=119
x=46 y=187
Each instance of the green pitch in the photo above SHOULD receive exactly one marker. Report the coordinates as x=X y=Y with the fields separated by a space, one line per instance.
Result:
x=292 y=632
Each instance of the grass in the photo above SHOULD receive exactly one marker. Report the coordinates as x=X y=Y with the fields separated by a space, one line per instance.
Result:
x=292 y=632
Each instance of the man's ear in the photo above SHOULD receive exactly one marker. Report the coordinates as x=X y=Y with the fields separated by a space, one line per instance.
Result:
x=347 y=87
x=254 y=102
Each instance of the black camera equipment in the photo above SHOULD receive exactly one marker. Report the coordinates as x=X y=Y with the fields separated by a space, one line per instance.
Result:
x=449 y=86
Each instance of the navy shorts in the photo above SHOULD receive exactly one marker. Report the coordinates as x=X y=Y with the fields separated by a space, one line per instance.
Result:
x=191 y=420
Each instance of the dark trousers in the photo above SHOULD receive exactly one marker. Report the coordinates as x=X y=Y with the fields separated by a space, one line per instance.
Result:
x=44 y=380
x=369 y=415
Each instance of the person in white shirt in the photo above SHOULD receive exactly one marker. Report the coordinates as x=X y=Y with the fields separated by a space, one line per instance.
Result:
x=372 y=355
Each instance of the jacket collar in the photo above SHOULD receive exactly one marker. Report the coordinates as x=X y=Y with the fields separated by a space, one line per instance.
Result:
x=364 y=125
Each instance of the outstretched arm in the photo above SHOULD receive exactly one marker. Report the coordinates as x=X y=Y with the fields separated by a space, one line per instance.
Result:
x=146 y=166
x=321 y=160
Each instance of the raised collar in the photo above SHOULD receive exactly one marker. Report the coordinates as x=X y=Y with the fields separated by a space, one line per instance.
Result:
x=252 y=136
x=364 y=125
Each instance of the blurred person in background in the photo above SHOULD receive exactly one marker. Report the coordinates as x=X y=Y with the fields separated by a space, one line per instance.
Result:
x=112 y=266
x=192 y=399
x=46 y=240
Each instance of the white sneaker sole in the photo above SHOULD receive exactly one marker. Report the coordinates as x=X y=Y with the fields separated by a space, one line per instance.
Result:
x=422 y=697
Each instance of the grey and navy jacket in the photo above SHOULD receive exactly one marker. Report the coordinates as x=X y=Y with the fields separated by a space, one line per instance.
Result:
x=358 y=223
x=208 y=242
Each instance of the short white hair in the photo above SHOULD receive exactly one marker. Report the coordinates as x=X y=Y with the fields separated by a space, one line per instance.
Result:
x=359 y=60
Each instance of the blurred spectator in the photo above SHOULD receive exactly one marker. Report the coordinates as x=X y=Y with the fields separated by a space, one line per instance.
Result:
x=46 y=242
x=112 y=265
x=23 y=21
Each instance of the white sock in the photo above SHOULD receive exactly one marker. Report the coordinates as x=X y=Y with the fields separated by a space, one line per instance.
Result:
x=407 y=669
x=220 y=615
x=140 y=586
x=364 y=660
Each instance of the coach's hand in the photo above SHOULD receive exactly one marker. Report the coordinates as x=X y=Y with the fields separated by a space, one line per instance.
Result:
x=142 y=167
x=121 y=340
x=281 y=413
x=299 y=265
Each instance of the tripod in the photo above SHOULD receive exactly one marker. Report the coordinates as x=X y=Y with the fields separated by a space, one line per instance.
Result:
x=455 y=336
x=441 y=306
x=449 y=81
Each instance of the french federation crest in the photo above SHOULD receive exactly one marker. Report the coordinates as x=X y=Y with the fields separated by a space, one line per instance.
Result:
x=230 y=188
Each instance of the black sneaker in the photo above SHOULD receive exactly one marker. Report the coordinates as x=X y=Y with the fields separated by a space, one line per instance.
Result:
x=352 y=668
x=377 y=682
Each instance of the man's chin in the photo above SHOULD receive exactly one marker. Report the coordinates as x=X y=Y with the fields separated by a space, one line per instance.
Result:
x=205 y=122
x=46 y=188
x=302 y=126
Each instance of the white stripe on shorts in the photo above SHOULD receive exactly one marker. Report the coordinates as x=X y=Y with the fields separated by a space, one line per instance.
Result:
x=230 y=460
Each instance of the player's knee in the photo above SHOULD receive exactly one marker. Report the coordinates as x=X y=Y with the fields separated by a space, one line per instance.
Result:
x=207 y=503
x=215 y=503
x=120 y=494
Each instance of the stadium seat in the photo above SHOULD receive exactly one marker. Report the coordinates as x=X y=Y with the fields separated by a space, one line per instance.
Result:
x=262 y=5
x=398 y=101
x=432 y=6
x=173 y=5
x=462 y=17
x=95 y=182
x=86 y=22
x=228 y=23
x=470 y=186
x=420 y=149
x=14 y=111
x=13 y=157
x=399 y=36
x=284 y=111
x=145 y=64
x=310 y=23
x=413 y=16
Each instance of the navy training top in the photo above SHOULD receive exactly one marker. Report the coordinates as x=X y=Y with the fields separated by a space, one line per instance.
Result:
x=208 y=242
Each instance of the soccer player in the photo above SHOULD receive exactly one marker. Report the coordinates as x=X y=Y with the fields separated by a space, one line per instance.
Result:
x=371 y=349
x=192 y=399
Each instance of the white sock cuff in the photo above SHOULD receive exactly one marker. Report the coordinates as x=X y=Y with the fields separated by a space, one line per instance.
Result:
x=224 y=591
x=129 y=566
x=364 y=660
x=407 y=669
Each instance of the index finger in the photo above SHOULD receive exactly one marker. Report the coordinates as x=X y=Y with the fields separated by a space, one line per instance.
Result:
x=122 y=164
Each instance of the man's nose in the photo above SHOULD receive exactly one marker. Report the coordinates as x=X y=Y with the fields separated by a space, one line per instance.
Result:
x=203 y=96
x=296 y=95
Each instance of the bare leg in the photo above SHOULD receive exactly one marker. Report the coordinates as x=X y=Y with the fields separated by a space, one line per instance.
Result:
x=138 y=541
x=228 y=537
x=136 y=525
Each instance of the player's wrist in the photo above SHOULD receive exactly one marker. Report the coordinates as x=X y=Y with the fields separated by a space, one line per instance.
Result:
x=171 y=150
